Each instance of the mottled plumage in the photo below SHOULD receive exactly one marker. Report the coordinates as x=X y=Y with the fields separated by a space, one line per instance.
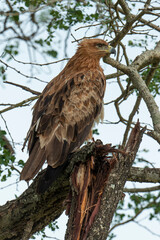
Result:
x=67 y=108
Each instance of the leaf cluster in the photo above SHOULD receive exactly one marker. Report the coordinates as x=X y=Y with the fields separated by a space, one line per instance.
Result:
x=8 y=162
x=52 y=226
x=6 y=159
x=154 y=85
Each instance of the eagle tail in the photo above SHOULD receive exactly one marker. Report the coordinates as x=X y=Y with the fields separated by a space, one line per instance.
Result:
x=50 y=175
x=34 y=163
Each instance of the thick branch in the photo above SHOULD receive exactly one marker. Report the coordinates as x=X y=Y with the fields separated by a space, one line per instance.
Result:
x=37 y=211
x=148 y=175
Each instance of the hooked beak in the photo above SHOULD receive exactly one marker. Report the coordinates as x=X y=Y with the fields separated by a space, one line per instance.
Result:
x=112 y=50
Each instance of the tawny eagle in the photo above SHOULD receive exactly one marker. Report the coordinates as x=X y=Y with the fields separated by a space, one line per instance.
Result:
x=64 y=114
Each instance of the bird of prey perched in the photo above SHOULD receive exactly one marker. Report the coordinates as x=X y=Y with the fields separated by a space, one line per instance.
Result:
x=64 y=114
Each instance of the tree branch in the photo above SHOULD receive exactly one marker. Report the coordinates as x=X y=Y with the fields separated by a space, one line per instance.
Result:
x=137 y=190
x=149 y=205
x=142 y=20
x=24 y=75
x=23 y=87
x=148 y=175
x=25 y=102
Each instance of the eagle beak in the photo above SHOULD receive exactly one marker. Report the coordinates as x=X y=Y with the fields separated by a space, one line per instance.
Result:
x=113 y=51
x=110 y=50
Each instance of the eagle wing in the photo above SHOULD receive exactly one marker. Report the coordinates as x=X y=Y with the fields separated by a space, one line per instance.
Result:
x=62 y=119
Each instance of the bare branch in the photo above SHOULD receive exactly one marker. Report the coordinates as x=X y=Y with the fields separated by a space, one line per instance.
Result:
x=136 y=190
x=127 y=221
x=39 y=64
x=8 y=66
x=125 y=8
x=149 y=205
x=23 y=87
x=25 y=102
x=146 y=228
x=144 y=21
x=114 y=75
x=130 y=119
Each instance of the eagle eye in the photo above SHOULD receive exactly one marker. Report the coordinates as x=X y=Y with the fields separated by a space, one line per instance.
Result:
x=99 y=45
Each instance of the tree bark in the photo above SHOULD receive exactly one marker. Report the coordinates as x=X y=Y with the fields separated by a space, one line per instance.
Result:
x=148 y=175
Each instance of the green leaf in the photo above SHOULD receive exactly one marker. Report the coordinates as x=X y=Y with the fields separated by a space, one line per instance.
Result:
x=21 y=163
x=4 y=178
x=52 y=53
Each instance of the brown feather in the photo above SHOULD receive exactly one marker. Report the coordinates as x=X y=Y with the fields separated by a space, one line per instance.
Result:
x=34 y=163
x=65 y=112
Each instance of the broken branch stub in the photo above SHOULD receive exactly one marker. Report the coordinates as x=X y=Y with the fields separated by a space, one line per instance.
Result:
x=87 y=184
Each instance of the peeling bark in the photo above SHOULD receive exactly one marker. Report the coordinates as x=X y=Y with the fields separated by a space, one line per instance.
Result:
x=87 y=185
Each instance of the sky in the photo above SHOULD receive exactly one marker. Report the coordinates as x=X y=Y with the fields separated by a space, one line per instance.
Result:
x=19 y=120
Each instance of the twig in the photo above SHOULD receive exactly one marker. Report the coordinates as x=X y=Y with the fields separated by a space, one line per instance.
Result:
x=118 y=78
x=11 y=166
x=25 y=102
x=5 y=104
x=132 y=218
x=23 y=87
x=148 y=23
x=8 y=132
x=39 y=64
x=8 y=66
x=155 y=234
x=127 y=221
x=93 y=36
x=86 y=26
x=11 y=184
